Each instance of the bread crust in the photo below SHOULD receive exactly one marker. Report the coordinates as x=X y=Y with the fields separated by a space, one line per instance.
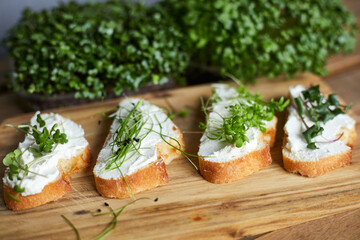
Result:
x=235 y=169
x=52 y=191
x=169 y=153
x=349 y=136
x=75 y=164
x=148 y=177
x=323 y=165
x=269 y=136
x=225 y=172
x=317 y=168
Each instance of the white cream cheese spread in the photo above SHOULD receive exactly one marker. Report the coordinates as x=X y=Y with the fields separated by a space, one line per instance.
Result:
x=44 y=170
x=220 y=150
x=156 y=124
x=296 y=144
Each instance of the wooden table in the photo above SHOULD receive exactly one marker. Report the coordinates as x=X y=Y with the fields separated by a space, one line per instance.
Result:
x=344 y=77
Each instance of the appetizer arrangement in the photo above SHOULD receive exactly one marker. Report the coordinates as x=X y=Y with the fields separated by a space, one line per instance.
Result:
x=39 y=170
x=318 y=133
x=141 y=141
x=239 y=131
x=240 y=128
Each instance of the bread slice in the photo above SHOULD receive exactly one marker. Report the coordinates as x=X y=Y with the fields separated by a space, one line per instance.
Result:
x=143 y=170
x=53 y=190
x=297 y=158
x=40 y=190
x=224 y=172
x=221 y=162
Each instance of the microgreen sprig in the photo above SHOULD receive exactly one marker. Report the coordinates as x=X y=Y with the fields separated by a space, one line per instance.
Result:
x=178 y=147
x=172 y=113
x=126 y=137
x=44 y=138
x=45 y=141
x=319 y=109
x=248 y=110
x=111 y=225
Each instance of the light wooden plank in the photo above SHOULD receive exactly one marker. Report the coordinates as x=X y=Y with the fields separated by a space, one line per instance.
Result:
x=188 y=206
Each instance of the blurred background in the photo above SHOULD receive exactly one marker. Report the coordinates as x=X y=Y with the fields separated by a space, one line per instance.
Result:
x=10 y=12
x=207 y=42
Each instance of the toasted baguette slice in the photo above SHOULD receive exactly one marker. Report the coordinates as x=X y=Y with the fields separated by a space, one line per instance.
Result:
x=143 y=170
x=298 y=158
x=224 y=172
x=221 y=162
x=56 y=167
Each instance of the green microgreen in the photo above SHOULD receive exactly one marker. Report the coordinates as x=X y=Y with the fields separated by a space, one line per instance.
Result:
x=127 y=138
x=13 y=197
x=72 y=226
x=45 y=143
x=91 y=48
x=263 y=38
x=184 y=112
x=248 y=110
x=14 y=163
x=178 y=147
x=172 y=113
x=319 y=110
x=111 y=225
x=181 y=113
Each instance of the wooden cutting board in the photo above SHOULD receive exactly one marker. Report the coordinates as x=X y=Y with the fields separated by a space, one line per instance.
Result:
x=187 y=207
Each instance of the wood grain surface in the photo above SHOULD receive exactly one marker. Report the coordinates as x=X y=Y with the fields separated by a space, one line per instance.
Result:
x=189 y=206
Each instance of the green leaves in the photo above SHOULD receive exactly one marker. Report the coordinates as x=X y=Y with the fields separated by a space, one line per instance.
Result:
x=45 y=140
x=319 y=109
x=202 y=126
x=12 y=157
x=332 y=99
x=280 y=105
x=40 y=120
x=13 y=161
x=312 y=132
x=93 y=48
x=263 y=38
x=181 y=113
x=19 y=189
x=12 y=197
x=126 y=137
x=36 y=153
x=300 y=106
x=244 y=115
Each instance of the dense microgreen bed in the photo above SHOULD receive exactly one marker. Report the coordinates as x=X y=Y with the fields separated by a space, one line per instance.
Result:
x=263 y=38
x=89 y=48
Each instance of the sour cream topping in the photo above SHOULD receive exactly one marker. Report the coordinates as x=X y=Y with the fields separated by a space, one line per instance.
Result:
x=155 y=122
x=220 y=150
x=44 y=170
x=296 y=145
